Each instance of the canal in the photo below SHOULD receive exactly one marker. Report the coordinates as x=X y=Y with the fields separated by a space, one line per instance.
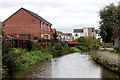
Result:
x=75 y=65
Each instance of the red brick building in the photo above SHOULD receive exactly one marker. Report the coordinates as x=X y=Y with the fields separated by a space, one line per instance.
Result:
x=26 y=23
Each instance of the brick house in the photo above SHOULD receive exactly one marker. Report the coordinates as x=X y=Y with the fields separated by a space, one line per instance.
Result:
x=89 y=31
x=60 y=34
x=27 y=24
x=67 y=36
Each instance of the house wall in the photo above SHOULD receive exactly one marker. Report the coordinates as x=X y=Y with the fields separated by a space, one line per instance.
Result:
x=24 y=23
x=85 y=31
x=78 y=35
x=90 y=32
x=68 y=38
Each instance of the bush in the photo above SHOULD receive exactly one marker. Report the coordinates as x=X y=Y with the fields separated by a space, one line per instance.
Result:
x=21 y=59
x=65 y=50
x=6 y=46
x=57 y=49
x=58 y=46
x=36 y=46
x=74 y=49
x=90 y=42
x=82 y=48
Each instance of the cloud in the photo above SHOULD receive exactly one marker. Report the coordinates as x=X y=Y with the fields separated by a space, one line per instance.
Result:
x=65 y=15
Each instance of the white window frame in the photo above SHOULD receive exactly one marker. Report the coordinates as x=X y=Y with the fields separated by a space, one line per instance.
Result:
x=42 y=36
x=41 y=25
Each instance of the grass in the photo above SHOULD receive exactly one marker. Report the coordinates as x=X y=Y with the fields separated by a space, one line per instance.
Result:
x=116 y=52
x=21 y=59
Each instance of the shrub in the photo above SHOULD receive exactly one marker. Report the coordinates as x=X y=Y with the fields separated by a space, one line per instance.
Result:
x=6 y=46
x=58 y=46
x=90 y=42
x=106 y=46
x=21 y=59
x=36 y=46
x=74 y=49
x=82 y=48
x=40 y=40
x=65 y=50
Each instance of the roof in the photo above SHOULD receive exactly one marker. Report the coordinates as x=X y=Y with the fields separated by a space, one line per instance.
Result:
x=78 y=30
x=59 y=31
x=34 y=15
x=88 y=27
x=69 y=34
x=73 y=42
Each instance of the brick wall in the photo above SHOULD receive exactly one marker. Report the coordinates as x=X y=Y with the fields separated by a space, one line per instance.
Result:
x=90 y=32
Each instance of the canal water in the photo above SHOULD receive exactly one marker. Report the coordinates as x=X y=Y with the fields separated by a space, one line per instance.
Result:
x=75 y=65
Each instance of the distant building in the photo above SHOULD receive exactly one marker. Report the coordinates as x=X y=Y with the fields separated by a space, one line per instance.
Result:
x=62 y=36
x=87 y=31
x=67 y=36
x=27 y=24
x=78 y=33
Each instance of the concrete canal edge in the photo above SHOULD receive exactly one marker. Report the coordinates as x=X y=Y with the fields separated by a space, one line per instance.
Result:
x=105 y=62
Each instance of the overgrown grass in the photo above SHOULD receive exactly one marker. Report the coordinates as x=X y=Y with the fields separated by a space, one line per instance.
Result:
x=59 y=50
x=83 y=48
x=21 y=59
x=116 y=52
x=75 y=49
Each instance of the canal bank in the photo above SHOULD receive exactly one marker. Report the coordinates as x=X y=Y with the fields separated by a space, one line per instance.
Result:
x=74 y=65
x=107 y=59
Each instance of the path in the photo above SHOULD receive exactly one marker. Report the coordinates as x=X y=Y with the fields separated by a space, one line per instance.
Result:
x=110 y=56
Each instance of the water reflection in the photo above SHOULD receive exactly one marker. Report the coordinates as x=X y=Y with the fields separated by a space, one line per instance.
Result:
x=76 y=65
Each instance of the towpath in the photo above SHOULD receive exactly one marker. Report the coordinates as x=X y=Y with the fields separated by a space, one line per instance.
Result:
x=110 y=56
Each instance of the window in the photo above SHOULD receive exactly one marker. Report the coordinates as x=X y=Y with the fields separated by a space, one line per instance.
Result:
x=48 y=27
x=45 y=26
x=35 y=39
x=92 y=29
x=41 y=25
x=76 y=34
x=41 y=35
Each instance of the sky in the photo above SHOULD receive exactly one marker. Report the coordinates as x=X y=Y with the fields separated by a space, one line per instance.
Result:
x=65 y=15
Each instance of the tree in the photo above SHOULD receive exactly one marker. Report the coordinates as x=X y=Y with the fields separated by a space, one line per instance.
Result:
x=109 y=21
x=55 y=35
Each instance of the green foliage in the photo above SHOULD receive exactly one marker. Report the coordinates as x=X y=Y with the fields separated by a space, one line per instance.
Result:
x=74 y=49
x=66 y=50
x=40 y=40
x=58 y=46
x=21 y=59
x=59 y=50
x=36 y=46
x=89 y=42
x=108 y=46
x=55 y=35
x=109 y=16
x=6 y=46
x=116 y=51
x=83 y=48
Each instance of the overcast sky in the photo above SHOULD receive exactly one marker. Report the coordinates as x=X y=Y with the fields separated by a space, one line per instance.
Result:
x=65 y=15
